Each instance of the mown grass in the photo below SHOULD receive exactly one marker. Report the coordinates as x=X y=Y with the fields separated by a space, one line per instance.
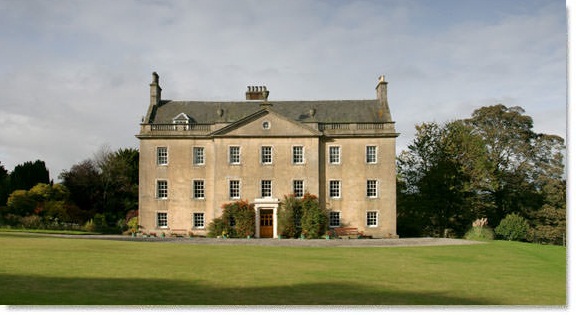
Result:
x=39 y=231
x=55 y=271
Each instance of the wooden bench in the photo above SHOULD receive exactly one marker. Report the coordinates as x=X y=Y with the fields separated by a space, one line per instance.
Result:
x=178 y=233
x=348 y=232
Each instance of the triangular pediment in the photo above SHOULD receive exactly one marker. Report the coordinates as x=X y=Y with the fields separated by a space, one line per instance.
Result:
x=266 y=123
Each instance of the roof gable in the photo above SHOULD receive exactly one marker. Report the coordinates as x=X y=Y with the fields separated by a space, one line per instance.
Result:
x=267 y=123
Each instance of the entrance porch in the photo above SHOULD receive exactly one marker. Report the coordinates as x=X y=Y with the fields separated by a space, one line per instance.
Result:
x=266 y=217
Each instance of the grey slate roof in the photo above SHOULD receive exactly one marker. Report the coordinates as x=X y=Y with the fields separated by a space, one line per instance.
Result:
x=339 y=111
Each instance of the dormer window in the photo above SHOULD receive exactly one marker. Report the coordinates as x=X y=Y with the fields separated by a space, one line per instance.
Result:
x=181 y=119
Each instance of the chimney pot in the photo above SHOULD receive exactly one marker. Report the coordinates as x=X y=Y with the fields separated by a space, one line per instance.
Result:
x=257 y=93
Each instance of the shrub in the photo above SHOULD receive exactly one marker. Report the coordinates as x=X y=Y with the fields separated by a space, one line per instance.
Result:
x=97 y=224
x=480 y=231
x=133 y=225
x=217 y=227
x=477 y=233
x=244 y=217
x=90 y=226
x=20 y=202
x=31 y=222
x=314 y=219
x=290 y=217
x=238 y=220
x=513 y=228
x=302 y=217
x=100 y=221
x=11 y=219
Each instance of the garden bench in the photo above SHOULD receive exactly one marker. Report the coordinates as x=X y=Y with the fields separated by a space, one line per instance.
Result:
x=178 y=233
x=348 y=232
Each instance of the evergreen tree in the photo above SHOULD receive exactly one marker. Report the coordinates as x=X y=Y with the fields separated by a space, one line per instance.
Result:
x=28 y=174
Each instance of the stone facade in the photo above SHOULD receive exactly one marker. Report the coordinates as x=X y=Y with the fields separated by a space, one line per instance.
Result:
x=196 y=156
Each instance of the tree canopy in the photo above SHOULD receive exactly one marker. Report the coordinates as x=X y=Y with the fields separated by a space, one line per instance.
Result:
x=487 y=166
x=105 y=186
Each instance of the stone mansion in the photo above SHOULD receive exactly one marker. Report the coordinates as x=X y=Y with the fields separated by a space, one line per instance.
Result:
x=196 y=156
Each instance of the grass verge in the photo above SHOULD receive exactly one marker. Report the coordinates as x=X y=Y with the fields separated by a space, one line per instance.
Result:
x=55 y=271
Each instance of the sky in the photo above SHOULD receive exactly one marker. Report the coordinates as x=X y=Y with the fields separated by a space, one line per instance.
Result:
x=75 y=75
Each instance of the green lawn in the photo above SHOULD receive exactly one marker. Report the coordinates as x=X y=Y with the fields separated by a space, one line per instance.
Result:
x=42 y=270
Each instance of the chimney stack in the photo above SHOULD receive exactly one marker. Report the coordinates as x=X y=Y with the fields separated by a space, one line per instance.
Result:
x=382 y=89
x=257 y=93
x=382 y=95
x=155 y=90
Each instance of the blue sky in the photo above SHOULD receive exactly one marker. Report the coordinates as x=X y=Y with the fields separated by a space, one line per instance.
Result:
x=75 y=74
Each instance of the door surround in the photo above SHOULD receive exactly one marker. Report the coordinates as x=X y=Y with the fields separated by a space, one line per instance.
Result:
x=267 y=204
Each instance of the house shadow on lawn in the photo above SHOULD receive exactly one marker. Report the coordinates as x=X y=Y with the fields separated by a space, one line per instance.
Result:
x=33 y=290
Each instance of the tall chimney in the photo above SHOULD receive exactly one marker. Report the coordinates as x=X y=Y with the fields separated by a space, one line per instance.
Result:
x=382 y=89
x=382 y=95
x=155 y=97
x=155 y=90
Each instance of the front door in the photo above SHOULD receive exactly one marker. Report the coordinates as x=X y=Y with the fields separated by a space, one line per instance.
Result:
x=266 y=223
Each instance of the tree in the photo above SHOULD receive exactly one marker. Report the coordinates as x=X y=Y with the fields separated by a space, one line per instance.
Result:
x=119 y=181
x=4 y=182
x=28 y=174
x=83 y=182
x=516 y=153
x=442 y=180
x=487 y=166
x=43 y=204
x=549 y=221
x=106 y=184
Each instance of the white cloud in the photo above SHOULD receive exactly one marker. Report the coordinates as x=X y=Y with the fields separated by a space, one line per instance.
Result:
x=75 y=74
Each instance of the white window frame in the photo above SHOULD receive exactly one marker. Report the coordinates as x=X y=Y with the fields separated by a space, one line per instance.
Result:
x=198 y=156
x=198 y=192
x=158 y=219
x=372 y=215
x=266 y=158
x=231 y=189
x=334 y=157
x=161 y=192
x=162 y=157
x=331 y=218
x=372 y=192
x=338 y=189
x=298 y=191
x=198 y=217
x=299 y=155
x=266 y=188
x=235 y=158
x=371 y=157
